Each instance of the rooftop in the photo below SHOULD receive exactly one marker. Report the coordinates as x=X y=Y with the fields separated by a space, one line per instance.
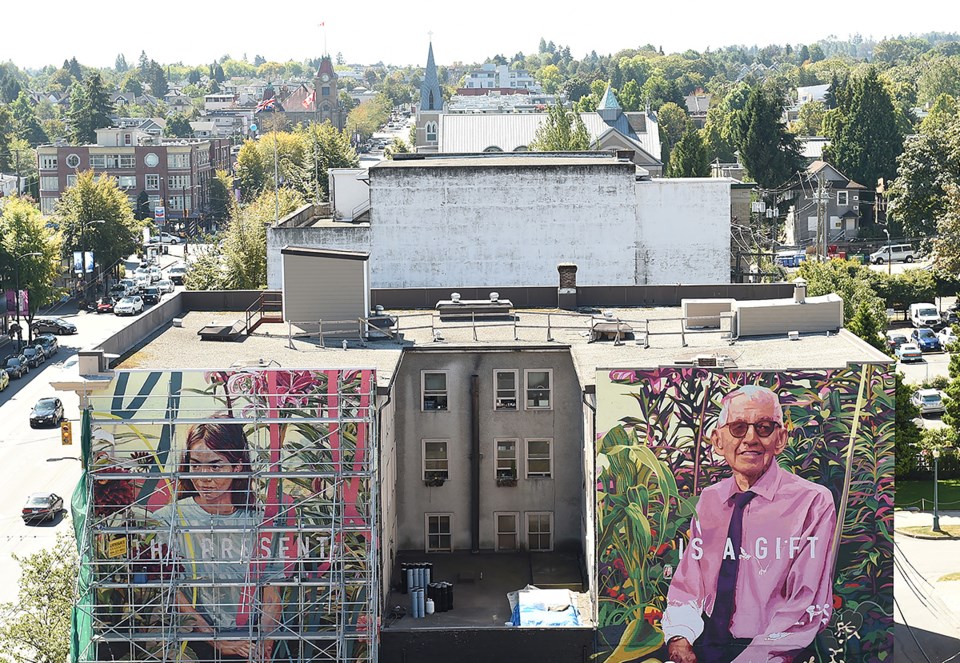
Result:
x=499 y=160
x=526 y=329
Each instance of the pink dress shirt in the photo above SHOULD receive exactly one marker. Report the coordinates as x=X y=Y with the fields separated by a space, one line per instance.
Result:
x=784 y=591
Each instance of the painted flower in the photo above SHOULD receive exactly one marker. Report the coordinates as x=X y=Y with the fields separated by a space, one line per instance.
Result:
x=242 y=383
x=112 y=495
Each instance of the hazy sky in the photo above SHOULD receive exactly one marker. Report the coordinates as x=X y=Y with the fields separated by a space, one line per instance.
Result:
x=368 y=31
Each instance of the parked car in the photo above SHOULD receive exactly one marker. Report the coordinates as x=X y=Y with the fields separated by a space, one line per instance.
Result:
x=949 y=317
x=16 y=366
x=177 y=274
x=896 y=338
x=53 y=326
x=47 y=412
x=42 y=506
x=129 y=287
x=928 y=401
x=4 y=380
x=128 y=306
x=925 y=339
x=908 y=352
x=34 y=355
x=49 y=343
x=924 y=315
x=893 y=253
x=947 y=336
x=151 y=295
x=105 y=305
x=164 y=238
x=166 y=286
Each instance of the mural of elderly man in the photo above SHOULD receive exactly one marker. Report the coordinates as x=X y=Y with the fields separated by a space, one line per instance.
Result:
x=755 y=581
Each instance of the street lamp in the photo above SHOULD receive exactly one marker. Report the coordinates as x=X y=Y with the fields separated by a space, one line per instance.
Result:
x=889 y=250
x=936 y=502
x=16 y=280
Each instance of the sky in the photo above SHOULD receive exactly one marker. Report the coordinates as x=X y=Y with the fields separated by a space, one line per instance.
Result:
x=370 y=31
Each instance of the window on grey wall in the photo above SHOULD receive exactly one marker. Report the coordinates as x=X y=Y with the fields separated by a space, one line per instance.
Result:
x=433 y=386
x=539 y=459
x=506 y=390
x=539 y=530
x=436 y=464
x=538 y=389
x=439 y=532
x=506 y=459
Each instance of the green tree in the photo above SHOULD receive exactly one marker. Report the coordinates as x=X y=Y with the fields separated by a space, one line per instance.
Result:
x=946 y=245
x=673 y=122
x=561 y=131
x=142 y=209
x=940 y=76
x=852 y=281
x=178 y=126
x=36 y=627
x=251 y=170
x=23 y=231
x=689 y=158
x=941 y=116
x=658 y=90
x=90 y=109
x=221 y=194
x=325 y=147
x=906 y=432
x=810 y=119
x=770 y=153
x=6 y=135
x=120 y=64
x=92 y=199
x=550 y=78
x=132 y=84
x=25 y=122
x=865 y=136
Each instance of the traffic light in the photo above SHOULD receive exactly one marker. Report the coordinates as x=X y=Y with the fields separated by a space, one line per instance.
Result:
x=66 y=433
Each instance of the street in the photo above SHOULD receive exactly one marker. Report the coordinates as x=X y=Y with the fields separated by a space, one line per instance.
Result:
x=35 y=460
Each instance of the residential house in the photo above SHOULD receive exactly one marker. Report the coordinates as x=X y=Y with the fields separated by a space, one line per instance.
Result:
x=841 y=211
x=698 y=104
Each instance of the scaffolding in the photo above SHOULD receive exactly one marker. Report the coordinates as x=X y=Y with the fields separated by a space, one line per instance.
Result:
x=196 y=548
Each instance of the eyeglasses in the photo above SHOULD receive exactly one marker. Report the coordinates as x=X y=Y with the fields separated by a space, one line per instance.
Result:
x=764 y=428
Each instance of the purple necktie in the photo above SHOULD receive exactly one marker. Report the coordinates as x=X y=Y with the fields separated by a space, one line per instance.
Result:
x=727 y=579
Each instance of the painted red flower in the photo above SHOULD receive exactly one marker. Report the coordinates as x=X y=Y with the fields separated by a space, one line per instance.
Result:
x=111 y=494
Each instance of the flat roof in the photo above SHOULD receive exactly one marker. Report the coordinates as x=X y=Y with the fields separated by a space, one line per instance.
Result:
x=502 y=160
x=526 y=329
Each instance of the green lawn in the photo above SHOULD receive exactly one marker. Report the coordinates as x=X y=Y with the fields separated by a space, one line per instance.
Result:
x=909 y=493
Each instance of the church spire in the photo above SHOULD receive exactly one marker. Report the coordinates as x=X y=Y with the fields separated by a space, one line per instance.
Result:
x=430 y=97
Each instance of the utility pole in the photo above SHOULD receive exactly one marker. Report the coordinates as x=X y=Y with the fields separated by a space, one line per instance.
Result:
x=821 y=197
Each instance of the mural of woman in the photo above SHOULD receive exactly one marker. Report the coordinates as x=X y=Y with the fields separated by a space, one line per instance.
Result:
x=213 y=521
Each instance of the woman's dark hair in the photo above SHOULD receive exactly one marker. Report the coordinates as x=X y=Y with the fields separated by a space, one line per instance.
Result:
x=229 y=441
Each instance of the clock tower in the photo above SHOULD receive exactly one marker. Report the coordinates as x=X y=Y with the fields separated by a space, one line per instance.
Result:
x=326 y=100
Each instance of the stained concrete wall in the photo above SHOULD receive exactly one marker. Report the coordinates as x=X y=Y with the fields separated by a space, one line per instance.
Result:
x=500 y=226
x=683 y=231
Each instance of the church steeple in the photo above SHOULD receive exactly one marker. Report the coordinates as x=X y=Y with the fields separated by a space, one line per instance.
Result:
x=430 y=97
x=609 y=108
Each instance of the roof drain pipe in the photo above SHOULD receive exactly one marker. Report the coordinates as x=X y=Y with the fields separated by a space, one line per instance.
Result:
x=475 y=463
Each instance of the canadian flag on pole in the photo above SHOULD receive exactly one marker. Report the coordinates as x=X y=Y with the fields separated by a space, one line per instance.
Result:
x=310 y=98
x=320 y=24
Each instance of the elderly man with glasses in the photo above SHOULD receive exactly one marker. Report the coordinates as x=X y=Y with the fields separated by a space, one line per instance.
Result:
x=754 y=583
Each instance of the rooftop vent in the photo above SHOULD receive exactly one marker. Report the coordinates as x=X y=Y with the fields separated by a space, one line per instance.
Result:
x=800 y=291
x=609 y=315
x=455 y=297
x=494 y=296
x=793 y=335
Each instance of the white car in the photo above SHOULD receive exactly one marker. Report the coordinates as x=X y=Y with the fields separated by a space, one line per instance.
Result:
x=155 y=274
x=164 y=238
x=946 y=337
x=928 y=401
x=129 y=306
x=165 y=285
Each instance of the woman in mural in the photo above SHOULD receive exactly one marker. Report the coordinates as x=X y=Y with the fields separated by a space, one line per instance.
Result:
x=755 y=583
x=214 y=520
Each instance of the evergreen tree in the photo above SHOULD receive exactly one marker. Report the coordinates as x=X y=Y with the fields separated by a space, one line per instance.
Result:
x=144 y=63
x=906 y=433
x=770 y=153
x=10 y=87
x=865 y=136
x=90 y=109
x=25 y=122
x=689 y=158
x=194 y=76
x=218 y=74
x=561 y=132
x=157 y=80
x=6 y=135
x=142 y=210
x=121 y=65
x=75 y=69
x=178 y=126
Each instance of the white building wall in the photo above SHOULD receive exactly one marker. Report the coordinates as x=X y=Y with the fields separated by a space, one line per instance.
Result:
x=349 y=193
x=486 y=226
x=683 y=231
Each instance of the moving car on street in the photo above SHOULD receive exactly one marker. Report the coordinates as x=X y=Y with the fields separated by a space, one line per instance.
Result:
x=164 y=238
x=105 y=305
x=53 y=326
x=177 y=274
x=42 y=506
x=151 y=295
x=47 y=412
x=928 y=401
x=166 y=286
x=128 y=306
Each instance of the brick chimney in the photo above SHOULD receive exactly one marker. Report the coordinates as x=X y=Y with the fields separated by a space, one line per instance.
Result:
x=567 y=292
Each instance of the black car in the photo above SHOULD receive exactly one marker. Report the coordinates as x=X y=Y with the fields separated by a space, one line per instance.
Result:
x=34 y=355
x=42 y=506
x=47 y=412
x=16 y=366
x=949 y=317
x=151 y=295
x=53 y=326
x=49 y=343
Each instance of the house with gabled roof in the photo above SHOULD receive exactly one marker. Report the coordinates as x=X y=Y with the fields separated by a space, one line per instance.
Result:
x=842 y=207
